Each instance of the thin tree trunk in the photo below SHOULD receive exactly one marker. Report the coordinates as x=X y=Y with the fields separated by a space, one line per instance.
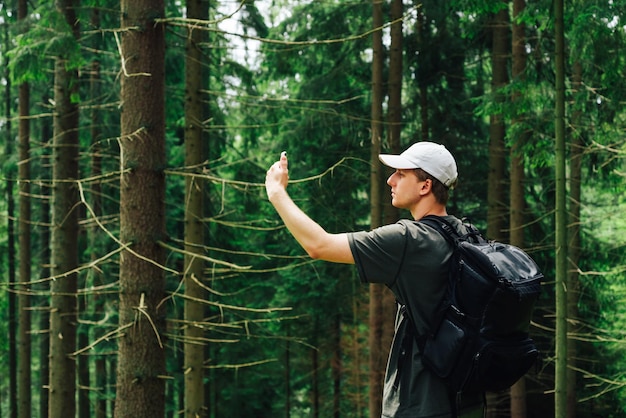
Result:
x=375 y=290
x=94 y=232
x=24 y=300
x=112 y=380
x=83 y=360
x=517 y=189
x=45 y=262
x=354 y=349
x=496 y=194
x=394 y=118
x=560 y=384
x=10 y=176
x=394 y=115
x=518 y=202
x=423 y=91
x=141 y=355
x=88 y=304
x=100 y=407
x=315 y=379
x=194 y=213
x=574 y=246
x=287 y=373
x=64 y=241
x=337 y=366
x=496 y=200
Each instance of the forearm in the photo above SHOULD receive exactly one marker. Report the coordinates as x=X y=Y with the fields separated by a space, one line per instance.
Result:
x=305 y=230
x=310 y=235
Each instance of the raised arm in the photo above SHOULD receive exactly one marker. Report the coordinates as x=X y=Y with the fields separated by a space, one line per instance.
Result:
x=318 y=243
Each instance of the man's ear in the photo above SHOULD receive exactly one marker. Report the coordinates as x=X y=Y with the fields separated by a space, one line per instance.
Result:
x=427 y=186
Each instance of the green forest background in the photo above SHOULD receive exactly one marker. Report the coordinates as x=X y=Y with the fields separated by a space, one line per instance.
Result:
x=145 y=273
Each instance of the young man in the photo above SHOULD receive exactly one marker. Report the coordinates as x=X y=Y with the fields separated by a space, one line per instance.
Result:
x=408 y=257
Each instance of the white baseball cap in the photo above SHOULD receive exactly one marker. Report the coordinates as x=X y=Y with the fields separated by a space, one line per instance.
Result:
x=433 y=158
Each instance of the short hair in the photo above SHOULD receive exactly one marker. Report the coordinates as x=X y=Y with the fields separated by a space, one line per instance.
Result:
x=441 y=192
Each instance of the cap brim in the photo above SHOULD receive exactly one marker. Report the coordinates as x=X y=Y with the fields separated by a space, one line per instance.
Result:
x=396 y=161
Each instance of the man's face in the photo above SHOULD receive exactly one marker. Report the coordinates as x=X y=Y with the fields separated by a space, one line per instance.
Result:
x=406 y=188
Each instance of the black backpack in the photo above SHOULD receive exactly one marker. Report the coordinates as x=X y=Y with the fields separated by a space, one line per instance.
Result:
x=480 y=340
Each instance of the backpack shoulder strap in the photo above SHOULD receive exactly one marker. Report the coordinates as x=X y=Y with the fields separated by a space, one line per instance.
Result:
x=442 y=226
x=450 y=233
x=446 y=230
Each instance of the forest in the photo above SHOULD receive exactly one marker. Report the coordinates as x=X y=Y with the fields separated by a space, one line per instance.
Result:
x=145 y=274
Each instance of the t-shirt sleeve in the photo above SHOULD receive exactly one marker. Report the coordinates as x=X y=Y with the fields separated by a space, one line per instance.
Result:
x=378 y=254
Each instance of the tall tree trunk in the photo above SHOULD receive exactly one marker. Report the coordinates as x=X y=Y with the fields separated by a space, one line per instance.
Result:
x=560 y=383
x=375 y=290
x=287 y=369
x=337 y=368
x=496 y=194
x=423 y=90
x=394 y=119
x=45 y=262
x=24 y=299
x=24 y=319
x=517 y=188
x=85 y=305
x=496 y=200
x=315 y=377
x=394 y=115
x=112 y=380
x=574 y=245
x=354 y=350
x=100 y=407
x=141 y=355
x=194 y=213
x=64 y=241
x=10 y=176
x=94 y=232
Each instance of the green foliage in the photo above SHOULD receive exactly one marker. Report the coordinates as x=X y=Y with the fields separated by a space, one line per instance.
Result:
x=270 y=309
x=605 y=287
x=44 y=36
x=479 y=7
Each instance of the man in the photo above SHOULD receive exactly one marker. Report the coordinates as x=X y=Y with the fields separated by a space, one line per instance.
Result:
x=408 y=257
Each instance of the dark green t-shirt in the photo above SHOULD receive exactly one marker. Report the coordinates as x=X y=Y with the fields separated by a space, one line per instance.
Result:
x=411 y=259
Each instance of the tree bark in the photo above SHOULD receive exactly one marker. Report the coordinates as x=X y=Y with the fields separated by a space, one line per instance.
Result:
x=100 y=407
x=496 y=200
x=337 y=367
x=64 y=237
x=95 y=233
x=375 y=290
x=394 y=116
x=141 y=355
x=315 y=369
x=10 y=176
x=24 y=238
x=394 y=119
x=423 y=90
x=194 y=213
x=45 y=262
x=287 y=372
x=517 y=188
x=496 y=195
x=560 y=384
x=574 y=244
